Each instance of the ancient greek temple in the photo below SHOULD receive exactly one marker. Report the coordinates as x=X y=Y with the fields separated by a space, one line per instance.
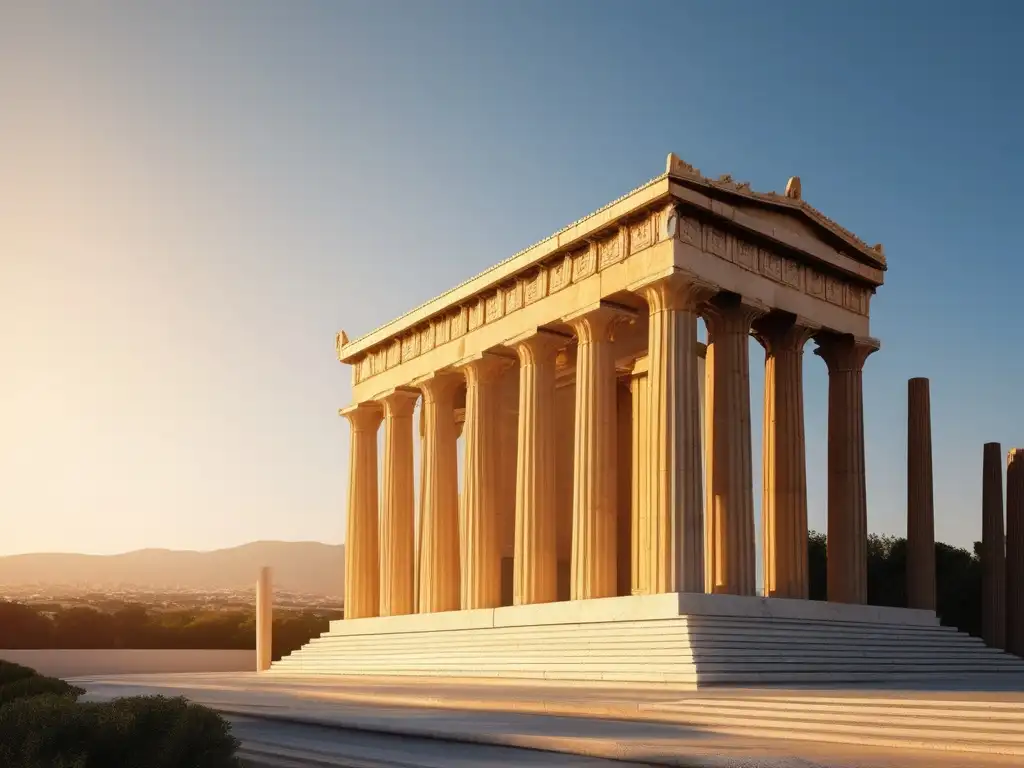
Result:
x=606 y=464
x=574 y=374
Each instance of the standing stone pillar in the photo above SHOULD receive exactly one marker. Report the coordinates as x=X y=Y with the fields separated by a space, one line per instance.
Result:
x=993 y=549
x=673 y=462
x=847 y=482
x=439 y=514
x=264 y=620
x=920 y=501
x=708 y=436
x=481 y=546
x=595 y=458
x=1015 y=551
x=398 y=511
x=535 y=562
x=362 y=576
x=639 y=508
x=731 y=509
x=784 y=499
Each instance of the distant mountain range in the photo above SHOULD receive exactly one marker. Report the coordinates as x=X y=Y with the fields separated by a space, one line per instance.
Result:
x=307 y=567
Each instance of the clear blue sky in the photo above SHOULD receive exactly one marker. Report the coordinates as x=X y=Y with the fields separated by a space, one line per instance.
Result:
x=195 y=196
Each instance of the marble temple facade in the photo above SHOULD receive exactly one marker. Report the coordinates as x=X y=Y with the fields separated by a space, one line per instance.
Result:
x=606 y=451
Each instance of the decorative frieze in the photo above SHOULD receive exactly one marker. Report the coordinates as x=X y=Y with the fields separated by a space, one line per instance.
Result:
x=513 y=296
x=494 y=306
x=584 y=264
x=641 y=235
x=774 y=266
x=563 y=269
x=536 y=286
x=427 y=338
x=559 y=274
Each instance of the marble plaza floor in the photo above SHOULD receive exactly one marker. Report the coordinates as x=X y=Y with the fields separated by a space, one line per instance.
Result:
x=944 y=725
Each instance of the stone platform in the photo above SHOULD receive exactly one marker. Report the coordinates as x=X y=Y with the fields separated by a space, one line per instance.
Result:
x=682 y=640
x=872 y=726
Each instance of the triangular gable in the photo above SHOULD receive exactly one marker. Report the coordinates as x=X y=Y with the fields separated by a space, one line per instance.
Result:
x=788 y=210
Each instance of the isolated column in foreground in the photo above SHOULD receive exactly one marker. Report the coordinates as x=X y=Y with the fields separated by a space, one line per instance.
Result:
x=264 y=619
x=847 y=480
x=675 y=518
x=784 y=497
x=731 y=511
x=481 y=550
x=595 y=461
x=397 y=518
x=535 y=577
x=362 y=577
x=439 y=514
x=993 y=548
x=1015 y=551
x=920 y=501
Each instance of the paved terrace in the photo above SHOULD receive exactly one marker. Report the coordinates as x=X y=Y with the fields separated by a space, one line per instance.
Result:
x=634 y=724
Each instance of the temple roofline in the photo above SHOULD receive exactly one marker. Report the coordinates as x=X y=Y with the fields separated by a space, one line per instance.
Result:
x=646 y=195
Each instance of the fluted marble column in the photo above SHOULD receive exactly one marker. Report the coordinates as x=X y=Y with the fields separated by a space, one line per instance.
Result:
x=847 y=483
x=784 y=497
x=594 y=465
x=731 y=508
x=362 y=578
x=439 y=513
x=1015 y=551
x=920 y=499
x=535 y=575
x=993 y=549
x=398 y=511
x=481 y=550
x=708 y=435
x=639 y=508
x=673 y=462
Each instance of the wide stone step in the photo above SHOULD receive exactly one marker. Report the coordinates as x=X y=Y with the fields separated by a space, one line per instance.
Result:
x=690 y=624
x=865 y=731
x=988 y=714
x=676 y=640
x=582 y=632
x=559 y=663
x=702 y=660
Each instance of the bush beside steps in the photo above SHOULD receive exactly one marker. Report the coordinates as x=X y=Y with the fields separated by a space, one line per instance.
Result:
x=43 y=725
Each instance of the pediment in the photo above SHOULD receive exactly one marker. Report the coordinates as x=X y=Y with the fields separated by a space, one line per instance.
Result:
x=788 y=211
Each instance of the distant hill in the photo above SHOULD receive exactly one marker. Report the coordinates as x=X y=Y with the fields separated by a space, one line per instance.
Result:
x=303 y=566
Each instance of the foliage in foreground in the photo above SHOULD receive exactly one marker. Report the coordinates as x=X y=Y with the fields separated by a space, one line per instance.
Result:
x=138 y=626
x=43 y=725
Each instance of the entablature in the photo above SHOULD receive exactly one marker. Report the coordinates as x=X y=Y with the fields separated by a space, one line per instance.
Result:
x=785 y=243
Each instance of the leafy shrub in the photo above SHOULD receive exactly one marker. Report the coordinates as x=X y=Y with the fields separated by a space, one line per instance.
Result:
x=10 y=672
x=42 y=725
x=44 y=731
x=36 y=686
x=160 y=732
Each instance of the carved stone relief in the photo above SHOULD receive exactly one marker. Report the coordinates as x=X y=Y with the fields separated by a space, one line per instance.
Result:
x=561 y=269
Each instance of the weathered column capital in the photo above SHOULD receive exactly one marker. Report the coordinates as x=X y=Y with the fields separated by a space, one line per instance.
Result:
x=364 y=417
x=728 y=313
x=484 y=366
x=400 y=401
x=439 y=387
x=679 y=290
x=538 y=344
x=844 y=352
x=597 y=322
x=781 y=332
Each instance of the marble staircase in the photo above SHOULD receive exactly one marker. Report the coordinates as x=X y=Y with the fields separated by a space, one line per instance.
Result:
x=689 y=641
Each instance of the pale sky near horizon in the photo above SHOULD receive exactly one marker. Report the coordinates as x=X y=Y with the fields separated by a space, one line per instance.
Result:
x=195 y=196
